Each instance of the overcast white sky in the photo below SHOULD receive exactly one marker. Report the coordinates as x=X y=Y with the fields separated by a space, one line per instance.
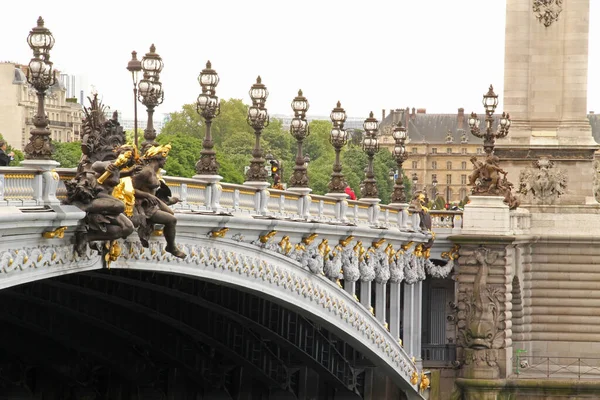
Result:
x=367 y=54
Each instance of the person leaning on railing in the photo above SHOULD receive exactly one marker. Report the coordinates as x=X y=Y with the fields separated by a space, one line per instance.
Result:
x=5 y=158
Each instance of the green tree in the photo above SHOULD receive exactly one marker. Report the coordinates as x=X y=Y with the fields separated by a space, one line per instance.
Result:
x=67 y=154
x=185 y=151
x=187 y=121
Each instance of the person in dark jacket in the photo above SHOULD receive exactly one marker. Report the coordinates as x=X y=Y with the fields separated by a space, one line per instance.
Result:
x=5 y=158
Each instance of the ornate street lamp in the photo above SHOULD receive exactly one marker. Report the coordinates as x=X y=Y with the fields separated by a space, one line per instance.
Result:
x=150 y=93
x=371 y=147
x=434 y=183
x=399 y=134
x=41 y=76
x=490 y=102
x=299 y=130
x=415 y=181
x=338 y=139
x=258 y=119
x=135 y=66
x=208 y=106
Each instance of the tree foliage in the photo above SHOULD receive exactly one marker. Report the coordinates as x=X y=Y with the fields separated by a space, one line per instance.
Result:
x=67 y=154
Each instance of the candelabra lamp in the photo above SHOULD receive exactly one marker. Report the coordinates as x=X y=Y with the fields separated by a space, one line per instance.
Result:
x=370 y=147
x=41 y=76
x=489 y=136
x=338 y=139
x=299 y=130
x=258 y=119
x=208 y=107
x=150 y=93
x=399 y=153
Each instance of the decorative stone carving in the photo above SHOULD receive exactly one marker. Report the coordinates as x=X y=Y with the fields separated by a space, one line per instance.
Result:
x=44 y=257
x=442 y=271
x=547 y=11
x=542 y=183
x=486 y=180
x=480 y=307
x=596 y=166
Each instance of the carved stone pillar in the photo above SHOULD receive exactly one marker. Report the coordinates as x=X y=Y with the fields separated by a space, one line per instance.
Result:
x=485 y=276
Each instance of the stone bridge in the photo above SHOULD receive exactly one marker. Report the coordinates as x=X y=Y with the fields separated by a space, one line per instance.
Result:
x=345 y=276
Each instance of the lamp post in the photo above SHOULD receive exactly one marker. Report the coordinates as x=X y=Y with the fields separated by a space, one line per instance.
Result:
x=208 y=106
x=41 y=76
x=338 y=139
x=135 y=66
x=371 y=147
x=399 y=153
x=151 y=93
x=434 y=183
x=258 y=119
x=299 y=130
x=415 y=181
x=490 y=102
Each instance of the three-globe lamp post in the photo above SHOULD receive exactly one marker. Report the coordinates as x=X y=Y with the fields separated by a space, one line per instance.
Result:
x=258 y=119
x=41 y=76
x=208 y=106
x=150 y=93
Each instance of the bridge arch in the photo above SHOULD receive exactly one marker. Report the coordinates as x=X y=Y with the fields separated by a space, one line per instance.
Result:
x=232 y=264
x=280 y=279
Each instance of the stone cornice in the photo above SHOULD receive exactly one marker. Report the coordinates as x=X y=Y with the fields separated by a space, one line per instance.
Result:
x=558 y=153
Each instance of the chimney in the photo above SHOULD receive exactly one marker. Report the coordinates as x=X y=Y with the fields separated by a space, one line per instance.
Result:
x=382 y=114
x=460 y=119
x=421 y=111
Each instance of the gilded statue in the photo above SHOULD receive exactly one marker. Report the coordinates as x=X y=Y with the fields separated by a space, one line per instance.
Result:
x=105 y=160
x=149 y=208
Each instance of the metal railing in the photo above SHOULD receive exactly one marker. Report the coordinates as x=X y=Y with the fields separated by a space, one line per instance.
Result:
x=532 y=367
x=438 y=353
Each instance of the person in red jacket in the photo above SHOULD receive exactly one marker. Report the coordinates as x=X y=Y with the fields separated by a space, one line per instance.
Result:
x=350 y=193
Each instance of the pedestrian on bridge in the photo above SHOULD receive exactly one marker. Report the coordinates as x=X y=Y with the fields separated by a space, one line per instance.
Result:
x=5 y=158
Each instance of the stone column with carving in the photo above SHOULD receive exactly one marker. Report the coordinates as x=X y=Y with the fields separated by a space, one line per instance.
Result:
x=485 y=308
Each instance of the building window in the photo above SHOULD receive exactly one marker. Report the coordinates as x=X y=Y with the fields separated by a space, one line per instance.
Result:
x=449 y=165
x=449 y=179
x=463 y=194
x=433 y=178
x=434 y=150
x=463 y=165
x=449 y=150
x=414 y=150
x=479 y=151
x=463 y=150
x=434 y=165
x=463 y=179
x=415 y=165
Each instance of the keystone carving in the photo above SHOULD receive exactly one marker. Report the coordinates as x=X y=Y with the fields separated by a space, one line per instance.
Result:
x=542 y=183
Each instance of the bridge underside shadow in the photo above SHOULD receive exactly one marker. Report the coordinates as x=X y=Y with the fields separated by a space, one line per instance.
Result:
x=119 y=334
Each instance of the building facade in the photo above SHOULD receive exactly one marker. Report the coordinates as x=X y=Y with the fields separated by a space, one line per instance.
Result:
x=440 y=148
x=18 y=105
